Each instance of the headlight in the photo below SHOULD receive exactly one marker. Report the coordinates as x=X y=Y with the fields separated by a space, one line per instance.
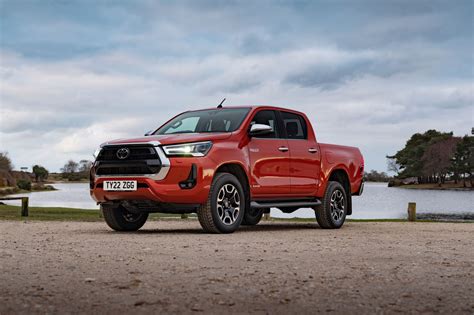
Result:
x=188 y=149
x=96 y=153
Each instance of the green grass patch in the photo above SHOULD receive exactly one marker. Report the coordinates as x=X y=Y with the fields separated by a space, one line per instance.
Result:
x=8 y=212
x=309 y=220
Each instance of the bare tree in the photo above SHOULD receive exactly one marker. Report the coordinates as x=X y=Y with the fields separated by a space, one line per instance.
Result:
x=85 y=166
x=70 y=167
x=392 y=165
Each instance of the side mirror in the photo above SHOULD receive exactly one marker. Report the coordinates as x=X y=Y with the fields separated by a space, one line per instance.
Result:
x=259 y=130
x=148 y=133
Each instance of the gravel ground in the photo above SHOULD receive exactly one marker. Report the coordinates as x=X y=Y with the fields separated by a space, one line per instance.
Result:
x=173 y=267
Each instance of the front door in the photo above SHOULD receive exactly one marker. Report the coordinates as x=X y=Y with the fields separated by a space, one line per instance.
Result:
x=269 y=158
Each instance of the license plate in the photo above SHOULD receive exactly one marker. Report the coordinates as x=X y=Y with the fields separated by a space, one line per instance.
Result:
x=120 y=185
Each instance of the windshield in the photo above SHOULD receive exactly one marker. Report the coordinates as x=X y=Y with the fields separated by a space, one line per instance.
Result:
x=214 y=120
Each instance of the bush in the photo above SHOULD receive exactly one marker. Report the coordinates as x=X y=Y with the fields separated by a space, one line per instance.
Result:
x=41 y=187
x=24 y=184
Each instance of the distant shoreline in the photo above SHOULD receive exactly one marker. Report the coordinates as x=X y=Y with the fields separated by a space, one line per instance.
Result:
x=448 y=186
x=6 y=191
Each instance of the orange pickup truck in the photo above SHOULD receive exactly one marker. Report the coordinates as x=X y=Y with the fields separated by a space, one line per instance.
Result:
x=228 y=165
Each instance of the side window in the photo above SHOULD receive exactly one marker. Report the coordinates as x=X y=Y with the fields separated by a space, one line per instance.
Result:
x=295 y=126
x=266 y=117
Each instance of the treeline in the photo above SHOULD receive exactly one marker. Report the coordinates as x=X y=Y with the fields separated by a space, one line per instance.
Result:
x=374 y=176
x=71 y=171
x=22 y=180
x=76 y=171
x=435 y=157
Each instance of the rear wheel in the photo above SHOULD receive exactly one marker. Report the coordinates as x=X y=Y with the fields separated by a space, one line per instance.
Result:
x=252 y=216
x=332 y=213
x=224 y=210
x=120 y=219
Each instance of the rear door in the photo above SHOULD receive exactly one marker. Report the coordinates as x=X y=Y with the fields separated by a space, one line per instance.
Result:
x=269 y=158
x=305 y=158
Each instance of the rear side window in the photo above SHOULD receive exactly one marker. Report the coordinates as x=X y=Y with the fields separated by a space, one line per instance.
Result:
x=266 y=117
x=295 y=126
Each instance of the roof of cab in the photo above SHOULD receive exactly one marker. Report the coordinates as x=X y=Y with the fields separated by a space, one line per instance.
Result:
x=253 y=107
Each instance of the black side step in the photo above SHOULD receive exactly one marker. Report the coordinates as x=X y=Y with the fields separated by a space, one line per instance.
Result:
x=284 y=204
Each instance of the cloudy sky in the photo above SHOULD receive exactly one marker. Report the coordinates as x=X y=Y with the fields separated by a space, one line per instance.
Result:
x=367 y=73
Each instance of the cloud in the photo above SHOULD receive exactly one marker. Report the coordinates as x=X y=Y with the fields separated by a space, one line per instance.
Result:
x=329 y=76
x=74 y=75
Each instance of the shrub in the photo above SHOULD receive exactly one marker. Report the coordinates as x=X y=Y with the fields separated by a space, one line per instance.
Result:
x=24 y=184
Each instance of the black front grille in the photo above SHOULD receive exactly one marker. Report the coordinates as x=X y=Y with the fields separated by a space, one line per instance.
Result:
x=142 y=160
x=105 y=169
x=137 y=152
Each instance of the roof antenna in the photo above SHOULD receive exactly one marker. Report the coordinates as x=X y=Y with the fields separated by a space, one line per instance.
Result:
x=220 y=105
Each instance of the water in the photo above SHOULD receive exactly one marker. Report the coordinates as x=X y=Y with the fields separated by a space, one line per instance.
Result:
x=377 y=202
x=70 y=195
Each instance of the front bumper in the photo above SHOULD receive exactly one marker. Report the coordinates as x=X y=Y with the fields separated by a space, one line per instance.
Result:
x=165 y=190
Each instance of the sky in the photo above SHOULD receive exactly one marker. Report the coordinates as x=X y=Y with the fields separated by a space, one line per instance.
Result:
x=74 y=74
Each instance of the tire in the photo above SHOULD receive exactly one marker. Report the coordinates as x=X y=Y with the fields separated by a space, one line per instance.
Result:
x=252 y=216
x=218 y=214
x=120 y=219
x=332 y=213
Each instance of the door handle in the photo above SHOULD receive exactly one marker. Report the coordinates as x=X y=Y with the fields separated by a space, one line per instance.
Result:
x=312 y=150
x=283 y=149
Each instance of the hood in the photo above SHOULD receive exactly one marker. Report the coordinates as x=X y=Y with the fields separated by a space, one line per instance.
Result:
x=174 y=139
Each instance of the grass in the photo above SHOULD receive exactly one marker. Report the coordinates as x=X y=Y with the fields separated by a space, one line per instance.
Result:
x=8 y=212
x=309 y=220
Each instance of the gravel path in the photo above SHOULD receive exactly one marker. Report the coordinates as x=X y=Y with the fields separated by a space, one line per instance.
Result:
x=172 y=267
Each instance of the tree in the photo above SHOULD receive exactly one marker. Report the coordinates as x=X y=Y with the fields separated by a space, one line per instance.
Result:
x=40 y=172
x=409 y=159
x=5 y=162
x=85 y=166
x=462 y=163
x=74 y=171
x=374 y=176
x=24 y=184
x=392 y=166
x=70 y=167
x=437 y=159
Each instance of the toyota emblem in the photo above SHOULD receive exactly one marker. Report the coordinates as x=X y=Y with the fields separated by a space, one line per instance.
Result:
x=123 y=153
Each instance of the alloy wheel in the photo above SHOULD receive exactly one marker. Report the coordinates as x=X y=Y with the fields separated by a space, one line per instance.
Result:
x=337 y=206
x=228 y=204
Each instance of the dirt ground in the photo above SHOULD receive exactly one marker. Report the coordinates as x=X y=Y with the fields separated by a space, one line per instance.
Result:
x=171 y=266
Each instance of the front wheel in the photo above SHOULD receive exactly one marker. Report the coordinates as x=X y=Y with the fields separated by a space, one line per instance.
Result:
x=120 y=219
x=332 y=213
x=224 y=210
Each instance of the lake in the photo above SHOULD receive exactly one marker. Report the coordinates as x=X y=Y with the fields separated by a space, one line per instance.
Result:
x=377 y=202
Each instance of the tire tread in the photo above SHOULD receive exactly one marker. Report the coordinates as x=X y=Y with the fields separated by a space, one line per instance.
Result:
x=323 y=212
x=205 y=211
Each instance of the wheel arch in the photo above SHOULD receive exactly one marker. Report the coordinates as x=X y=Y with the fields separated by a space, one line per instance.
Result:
x=238 y=171
x=340 y=175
